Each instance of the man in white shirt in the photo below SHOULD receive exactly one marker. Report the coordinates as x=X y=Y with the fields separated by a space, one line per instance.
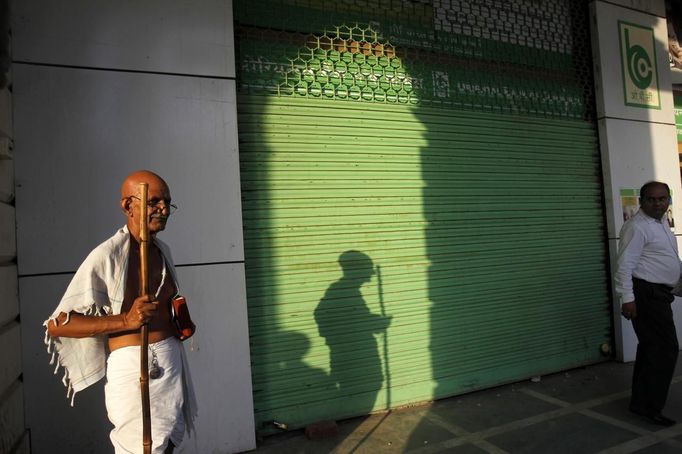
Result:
x=647 y=269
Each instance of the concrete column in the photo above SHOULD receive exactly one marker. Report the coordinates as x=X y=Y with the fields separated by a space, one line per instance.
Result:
x=101 y=89
x=13 y=435
x=635 y=117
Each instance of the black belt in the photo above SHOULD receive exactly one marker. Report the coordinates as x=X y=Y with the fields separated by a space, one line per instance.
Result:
x=654 y=284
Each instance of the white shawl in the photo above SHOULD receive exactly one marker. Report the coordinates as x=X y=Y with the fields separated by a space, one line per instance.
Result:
x=98 y=288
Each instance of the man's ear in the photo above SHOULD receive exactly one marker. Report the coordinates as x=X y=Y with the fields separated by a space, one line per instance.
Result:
x=125 y=206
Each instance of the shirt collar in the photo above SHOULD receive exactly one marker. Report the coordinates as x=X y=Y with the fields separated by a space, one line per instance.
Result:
x=648 y=218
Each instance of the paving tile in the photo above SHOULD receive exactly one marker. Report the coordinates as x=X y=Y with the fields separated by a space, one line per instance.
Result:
x=660 y=448
x=673 y=406
x=395 y=432
x=618 y=409
x=477 y=411
x=572 y=434
x=429 y=426
x=406 y=429
x=586 y=383
x=464 y=449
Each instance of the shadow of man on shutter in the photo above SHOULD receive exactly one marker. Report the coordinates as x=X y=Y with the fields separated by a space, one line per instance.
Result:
x=348 y=327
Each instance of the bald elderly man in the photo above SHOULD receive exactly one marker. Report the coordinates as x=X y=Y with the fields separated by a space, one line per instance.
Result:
x=101 y=308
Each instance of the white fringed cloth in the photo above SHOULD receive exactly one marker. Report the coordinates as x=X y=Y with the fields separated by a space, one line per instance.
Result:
x=98 y=288
x=124 y=405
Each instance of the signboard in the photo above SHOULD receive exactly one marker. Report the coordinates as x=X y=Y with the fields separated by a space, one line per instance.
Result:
x=677 y=99
x=638 y=62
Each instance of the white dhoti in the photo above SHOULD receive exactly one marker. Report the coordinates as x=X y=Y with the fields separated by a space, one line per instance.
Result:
x=124 y=404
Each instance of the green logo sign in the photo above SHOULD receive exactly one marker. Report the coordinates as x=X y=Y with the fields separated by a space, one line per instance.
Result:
x=638 y=60
x=677 y=100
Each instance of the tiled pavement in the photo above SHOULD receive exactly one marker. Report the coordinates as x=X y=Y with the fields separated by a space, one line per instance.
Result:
x=578 y=411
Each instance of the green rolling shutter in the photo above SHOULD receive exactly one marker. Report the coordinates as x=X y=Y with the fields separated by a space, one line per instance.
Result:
x=407 y=236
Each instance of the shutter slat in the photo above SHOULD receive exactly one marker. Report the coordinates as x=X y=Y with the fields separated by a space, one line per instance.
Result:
x=492 y=257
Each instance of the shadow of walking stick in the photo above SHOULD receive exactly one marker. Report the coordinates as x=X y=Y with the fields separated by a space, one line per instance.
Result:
x=387 y=370
x=383 y=314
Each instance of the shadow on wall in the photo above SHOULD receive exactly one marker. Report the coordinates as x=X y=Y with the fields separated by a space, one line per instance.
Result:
x=481 y=209
x=348 y=327
x=303 y=376
x=356 y=373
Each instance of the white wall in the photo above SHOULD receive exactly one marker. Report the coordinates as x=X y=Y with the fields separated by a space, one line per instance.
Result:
x=96 y=128
x=176 y=37
x=101 y=90
x=637 y=144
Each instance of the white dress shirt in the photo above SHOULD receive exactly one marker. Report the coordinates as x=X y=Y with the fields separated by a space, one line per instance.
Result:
x=647 y=250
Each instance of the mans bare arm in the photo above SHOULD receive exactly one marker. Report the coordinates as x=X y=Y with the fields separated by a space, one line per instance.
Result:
x=143 y=309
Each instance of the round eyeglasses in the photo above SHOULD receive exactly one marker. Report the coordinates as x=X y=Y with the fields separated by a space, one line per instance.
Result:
x=159 y=204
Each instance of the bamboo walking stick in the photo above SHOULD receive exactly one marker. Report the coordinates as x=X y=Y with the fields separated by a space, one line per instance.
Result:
x=144 y=290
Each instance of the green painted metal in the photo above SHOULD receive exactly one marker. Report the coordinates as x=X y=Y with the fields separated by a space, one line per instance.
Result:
x=416 y=225
x=524 y=57
x=492 y=267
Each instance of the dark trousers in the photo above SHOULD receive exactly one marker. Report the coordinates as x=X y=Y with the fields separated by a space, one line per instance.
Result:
x=657 y=349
